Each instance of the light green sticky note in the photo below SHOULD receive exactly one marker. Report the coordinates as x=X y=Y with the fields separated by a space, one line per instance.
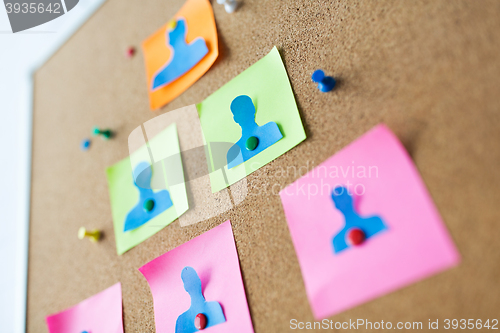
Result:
x=266 y=83
x=124 y=195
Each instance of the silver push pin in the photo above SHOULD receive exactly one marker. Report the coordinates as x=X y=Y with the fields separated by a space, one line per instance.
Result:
x=229 y=5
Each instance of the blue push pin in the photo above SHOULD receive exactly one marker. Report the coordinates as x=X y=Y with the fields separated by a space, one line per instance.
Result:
x=325 y=83
x=85 y=145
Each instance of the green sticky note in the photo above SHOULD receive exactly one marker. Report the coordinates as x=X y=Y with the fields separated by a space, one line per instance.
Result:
x=124 y=195
x=266 y=83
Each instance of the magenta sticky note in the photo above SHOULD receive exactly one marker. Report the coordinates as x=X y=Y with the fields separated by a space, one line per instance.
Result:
x=214 y=258
x=383 y=182
x=101 y=313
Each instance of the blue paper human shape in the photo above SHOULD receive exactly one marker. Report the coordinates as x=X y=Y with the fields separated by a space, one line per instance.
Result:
x=254 y=138
x=211 y=310
x=150 y=203
x=183 y=56
x=369 y=225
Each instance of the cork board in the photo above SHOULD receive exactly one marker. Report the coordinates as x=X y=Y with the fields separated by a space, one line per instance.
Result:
x=428 y=69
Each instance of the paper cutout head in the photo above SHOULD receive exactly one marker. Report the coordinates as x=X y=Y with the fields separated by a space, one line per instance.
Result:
x=150 y=204
x=211 y=311
x=183 y=56
x=355 y=225
x=254 y=138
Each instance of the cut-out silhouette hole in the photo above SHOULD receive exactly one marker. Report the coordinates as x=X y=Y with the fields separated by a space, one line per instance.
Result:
x=357 y=229
x=150 y=204
x=200 y=313
x=183 y=56
x=254 y=138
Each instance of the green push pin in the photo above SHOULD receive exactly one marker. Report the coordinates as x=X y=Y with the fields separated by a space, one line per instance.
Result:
x=106 y=134
x=251 y=143
x=149 y=205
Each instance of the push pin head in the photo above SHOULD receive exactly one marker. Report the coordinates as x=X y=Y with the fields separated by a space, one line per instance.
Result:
x=130 y=52
x=93 y=235
x=252 y=143
x=149 y=205
x=229 y=5
x=172 y=24
x=356 y=236
x=106 y=134
x=200 y=321
x=325 y=83
x=85 y=145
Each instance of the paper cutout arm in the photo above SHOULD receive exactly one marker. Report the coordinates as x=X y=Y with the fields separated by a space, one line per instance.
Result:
x=150 y=204
x=183 y=56
x=254 y=138
x=369 y=226
x=212 y=310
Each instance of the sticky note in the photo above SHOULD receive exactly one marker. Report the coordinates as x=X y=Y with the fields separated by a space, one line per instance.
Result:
x=180 y=52
x=409 y=243
x=213 y=258
x=162 y=153
x=266 y=84
x=101 y=313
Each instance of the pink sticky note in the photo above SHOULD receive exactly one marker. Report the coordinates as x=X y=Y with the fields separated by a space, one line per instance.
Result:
x=101 y=313
x=383 y=182
x=213 y=255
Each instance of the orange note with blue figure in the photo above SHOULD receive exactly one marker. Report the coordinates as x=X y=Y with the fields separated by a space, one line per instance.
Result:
x=180 y=52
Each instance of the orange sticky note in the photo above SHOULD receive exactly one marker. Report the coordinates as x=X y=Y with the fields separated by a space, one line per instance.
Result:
x=198 y=17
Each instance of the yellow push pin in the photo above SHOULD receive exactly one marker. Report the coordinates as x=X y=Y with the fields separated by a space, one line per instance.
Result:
x=172 y=24
x=93 y=235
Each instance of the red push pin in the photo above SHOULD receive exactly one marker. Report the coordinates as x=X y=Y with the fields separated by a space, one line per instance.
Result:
x=200 y=322
x=356 y=236
x=130 y=52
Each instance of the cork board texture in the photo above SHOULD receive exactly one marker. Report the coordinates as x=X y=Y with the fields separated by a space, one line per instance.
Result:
x=429 y=69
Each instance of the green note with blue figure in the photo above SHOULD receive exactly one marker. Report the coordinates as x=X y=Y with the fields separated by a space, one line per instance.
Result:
x=146 y=189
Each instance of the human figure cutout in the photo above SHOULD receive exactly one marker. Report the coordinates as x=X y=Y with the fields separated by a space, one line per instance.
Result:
x=212 y=311
x=355 y=225
x=150 y=204
x=183 y=56
x=254 y=138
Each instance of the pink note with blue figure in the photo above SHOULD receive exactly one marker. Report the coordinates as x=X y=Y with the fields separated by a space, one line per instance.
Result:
x=197 y=286
x=363 y=224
